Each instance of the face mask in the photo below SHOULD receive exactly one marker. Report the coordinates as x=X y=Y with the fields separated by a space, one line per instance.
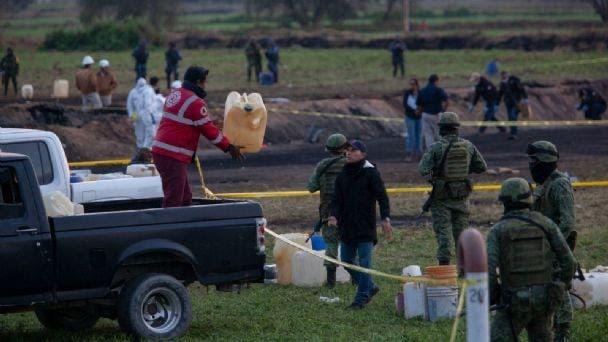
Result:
x=541 y=171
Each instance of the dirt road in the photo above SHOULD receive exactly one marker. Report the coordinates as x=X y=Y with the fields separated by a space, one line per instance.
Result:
x=583 y=151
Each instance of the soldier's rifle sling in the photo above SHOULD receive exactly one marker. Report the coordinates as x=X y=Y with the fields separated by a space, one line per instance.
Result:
x=429 y=201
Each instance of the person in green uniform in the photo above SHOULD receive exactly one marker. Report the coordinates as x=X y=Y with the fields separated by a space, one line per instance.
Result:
x=523 y=248
x=322 y=180
x=554 y=198
x=447 y=165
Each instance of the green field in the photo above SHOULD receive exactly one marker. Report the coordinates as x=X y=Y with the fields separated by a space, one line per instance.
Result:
x=279 y=313
x=319 y=72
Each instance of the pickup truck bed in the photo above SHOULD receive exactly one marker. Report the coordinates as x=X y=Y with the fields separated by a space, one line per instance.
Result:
x=88 y=249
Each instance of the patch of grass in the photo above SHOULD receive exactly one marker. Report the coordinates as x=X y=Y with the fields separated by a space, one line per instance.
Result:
x=321 y=71
x=272 y=312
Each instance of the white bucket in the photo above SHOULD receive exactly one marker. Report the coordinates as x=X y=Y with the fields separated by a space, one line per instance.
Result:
x=414 y=300
x=27 y=91
x=441 y=302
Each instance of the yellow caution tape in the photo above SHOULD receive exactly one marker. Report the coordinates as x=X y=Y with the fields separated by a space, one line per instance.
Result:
x=475 y=123
x=459 y=308
x=413 y=189
x=403 y=279
x=110 y=162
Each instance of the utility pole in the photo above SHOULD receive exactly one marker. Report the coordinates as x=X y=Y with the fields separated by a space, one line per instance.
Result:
x=406 y=16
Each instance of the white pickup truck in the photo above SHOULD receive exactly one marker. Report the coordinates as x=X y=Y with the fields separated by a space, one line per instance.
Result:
x=52 y=170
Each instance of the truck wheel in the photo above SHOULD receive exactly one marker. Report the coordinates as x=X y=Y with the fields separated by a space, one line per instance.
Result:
x=154 y=306
x=70 y=319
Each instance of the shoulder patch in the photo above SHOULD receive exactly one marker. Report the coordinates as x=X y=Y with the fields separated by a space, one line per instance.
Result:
x=204 y=110
x=173 y=98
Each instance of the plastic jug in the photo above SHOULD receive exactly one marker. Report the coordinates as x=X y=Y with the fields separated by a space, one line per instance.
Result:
x=61 y=89
x=414 y=294
x=307 y=270
x=283 y=254
x=245 y=119
x=142 y=170
x=57 y=204
x=594 y=290
x=27 y=91
x=318 y=244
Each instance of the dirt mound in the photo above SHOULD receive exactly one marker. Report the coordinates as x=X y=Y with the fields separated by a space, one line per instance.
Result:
x=85 y=136
x=587 y=40
x=89 y=136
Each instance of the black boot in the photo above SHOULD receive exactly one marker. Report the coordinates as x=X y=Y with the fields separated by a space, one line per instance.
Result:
x=444 y=262
x=562 y=332
x=331 y=278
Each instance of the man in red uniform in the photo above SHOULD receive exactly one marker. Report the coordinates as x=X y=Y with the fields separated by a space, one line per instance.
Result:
x=185 y=118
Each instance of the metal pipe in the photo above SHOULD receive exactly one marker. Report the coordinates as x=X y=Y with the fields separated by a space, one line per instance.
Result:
x=473 y=260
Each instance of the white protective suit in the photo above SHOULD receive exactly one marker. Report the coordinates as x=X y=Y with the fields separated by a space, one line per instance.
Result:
x=141 y=106
x=158 y=113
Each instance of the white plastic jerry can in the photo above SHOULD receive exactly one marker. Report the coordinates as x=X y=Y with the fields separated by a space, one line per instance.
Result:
x=61 y=89
x=245 y=119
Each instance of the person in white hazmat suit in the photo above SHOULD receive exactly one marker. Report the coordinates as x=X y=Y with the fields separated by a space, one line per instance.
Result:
x=141 y=107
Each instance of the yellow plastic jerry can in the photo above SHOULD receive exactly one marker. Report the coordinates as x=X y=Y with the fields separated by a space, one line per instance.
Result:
x=245 y=119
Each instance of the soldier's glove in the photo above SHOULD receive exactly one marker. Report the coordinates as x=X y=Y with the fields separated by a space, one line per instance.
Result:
x=235 y=152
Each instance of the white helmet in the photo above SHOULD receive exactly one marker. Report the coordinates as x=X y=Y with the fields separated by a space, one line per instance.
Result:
x=176 y=84
x=104 y=63
x=87 y=60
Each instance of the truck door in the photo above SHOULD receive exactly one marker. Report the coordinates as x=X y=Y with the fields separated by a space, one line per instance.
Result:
x=25 y=241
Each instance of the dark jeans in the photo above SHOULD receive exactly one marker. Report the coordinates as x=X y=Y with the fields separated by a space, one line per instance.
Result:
x=489 y=114
x=256 y=68
x=174 y=178
x=171 y=71
x=512 y=113
x=5 y=80
x=398 y=65
x=413 y=139
x=274 y=69
x=348 y=253
x=140 y=71
x=594 y=112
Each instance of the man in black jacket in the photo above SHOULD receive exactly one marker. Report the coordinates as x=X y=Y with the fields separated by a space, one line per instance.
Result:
x=357 y=189
x=485 y=90
x=513 y=93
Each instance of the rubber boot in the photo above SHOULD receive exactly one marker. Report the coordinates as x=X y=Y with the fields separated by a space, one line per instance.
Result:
x=331 y=278
x=562 y=332
x=444 y=262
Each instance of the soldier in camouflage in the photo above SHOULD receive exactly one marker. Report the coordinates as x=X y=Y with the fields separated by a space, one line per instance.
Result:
x=554 y=198
x=322 y=180
x=447 y=164
x=523 y=249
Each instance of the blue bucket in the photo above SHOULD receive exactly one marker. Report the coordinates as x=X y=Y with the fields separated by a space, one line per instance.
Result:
x=318 y=244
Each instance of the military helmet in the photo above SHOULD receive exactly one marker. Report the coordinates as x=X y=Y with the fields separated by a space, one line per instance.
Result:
x=449 y=119
x=515 y=190
x=543 y=151
x=335 y=142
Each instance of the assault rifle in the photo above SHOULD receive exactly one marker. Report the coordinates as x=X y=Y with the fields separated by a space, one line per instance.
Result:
x=429 y=201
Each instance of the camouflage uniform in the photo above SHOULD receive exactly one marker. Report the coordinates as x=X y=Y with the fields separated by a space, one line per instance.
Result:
x=532 y=303
x=555 y=199
x=323 y=179
x=450 y=205
x=527 y=285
